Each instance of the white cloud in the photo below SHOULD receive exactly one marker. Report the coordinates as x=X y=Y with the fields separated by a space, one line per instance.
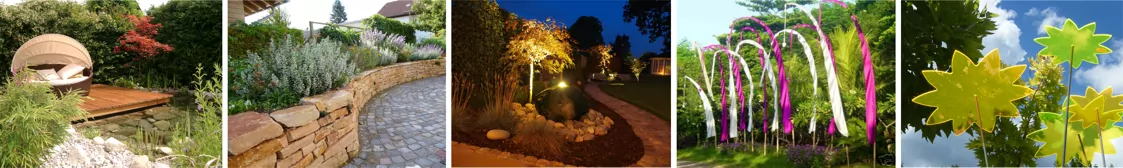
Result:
x=1005 y=37
x=1106 y=73
x=1050 y=18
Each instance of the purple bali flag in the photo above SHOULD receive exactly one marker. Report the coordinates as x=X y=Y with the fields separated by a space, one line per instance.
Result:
x=871 y=91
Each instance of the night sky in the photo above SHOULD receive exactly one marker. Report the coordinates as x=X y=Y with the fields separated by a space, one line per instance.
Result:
x=610 y=14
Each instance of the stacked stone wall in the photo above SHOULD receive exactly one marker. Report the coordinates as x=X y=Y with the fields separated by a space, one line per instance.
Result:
x=323 y=130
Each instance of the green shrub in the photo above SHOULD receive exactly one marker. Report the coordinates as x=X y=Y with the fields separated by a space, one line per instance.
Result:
x=406 y=52
x=255 y=38
x=194 y=29
x=365 y=57
x=34 y=121
x=388 y=25
x=345 y=36
x=98 y=32
x=306 y=70
x=432 y=41
x=195 y=137
x=89 y=133
x=540 y=137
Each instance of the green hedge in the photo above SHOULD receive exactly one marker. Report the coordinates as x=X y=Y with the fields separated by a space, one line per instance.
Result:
x=345 y=36
x=432 y=41
x=391 y=26
x=97 y=32
x=247 y=38
x=194 y=29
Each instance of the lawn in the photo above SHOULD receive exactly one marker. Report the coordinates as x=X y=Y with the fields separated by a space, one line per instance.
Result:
x=708 y=155
x=652 y=93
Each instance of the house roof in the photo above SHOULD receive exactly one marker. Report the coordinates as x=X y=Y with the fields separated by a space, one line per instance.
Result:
x=254 y=6
x=396 y=9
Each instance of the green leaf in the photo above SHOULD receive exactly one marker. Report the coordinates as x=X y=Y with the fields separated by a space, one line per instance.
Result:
x=1082 y=143
x=1086 y=107
x=986 y=86
x=1071 y=43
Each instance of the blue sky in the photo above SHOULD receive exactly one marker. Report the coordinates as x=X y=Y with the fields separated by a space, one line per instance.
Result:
x=700 y=21
x=1022 y=21
x=610 y=14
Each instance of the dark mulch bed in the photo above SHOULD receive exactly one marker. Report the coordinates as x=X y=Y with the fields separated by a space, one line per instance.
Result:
x=619 y=148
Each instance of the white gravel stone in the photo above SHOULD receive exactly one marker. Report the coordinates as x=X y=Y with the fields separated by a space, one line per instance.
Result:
x=79 y=152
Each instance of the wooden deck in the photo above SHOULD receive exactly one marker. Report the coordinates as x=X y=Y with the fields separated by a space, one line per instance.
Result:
x=107 y=100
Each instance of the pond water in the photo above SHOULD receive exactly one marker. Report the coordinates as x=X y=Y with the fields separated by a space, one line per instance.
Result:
x=936 y=145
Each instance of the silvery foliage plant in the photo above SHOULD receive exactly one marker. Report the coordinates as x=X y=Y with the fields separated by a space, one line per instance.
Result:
x=310 y=69
x=427 y=52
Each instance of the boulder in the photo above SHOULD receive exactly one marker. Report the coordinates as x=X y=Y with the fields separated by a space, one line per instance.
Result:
x=165 y=150
x=163 y=125
x=498 y=134
x=146 y=125
x=126 y=131
x=296 y=116
x=166 y=115
x=140 y=162
x=113 y=145
x=246 y=130
x=111 y=127
x=329 y=101
x=601 y=130
x=99 y=140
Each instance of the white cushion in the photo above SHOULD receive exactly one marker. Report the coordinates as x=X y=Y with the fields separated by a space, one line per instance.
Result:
x=63 y=81
x=70 y=71
x=48 y=74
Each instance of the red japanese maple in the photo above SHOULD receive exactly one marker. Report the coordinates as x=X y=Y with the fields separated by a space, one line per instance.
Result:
x=140 y=40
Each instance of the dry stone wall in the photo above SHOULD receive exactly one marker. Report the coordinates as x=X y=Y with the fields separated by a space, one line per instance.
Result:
x=323 y=130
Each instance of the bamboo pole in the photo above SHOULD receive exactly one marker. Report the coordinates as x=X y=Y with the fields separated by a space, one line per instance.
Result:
x=1101 y=133
x=986 y=162
x=1067 y=92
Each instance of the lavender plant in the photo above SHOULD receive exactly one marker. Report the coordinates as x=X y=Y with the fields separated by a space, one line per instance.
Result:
x=427 y=52
x=378 y=39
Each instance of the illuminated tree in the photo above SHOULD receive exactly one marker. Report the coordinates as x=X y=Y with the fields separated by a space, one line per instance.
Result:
x=543 y=43
x=637 y=66
x=602 y=52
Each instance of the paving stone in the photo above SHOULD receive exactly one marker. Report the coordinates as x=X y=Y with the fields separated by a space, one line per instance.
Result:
x=400 y=124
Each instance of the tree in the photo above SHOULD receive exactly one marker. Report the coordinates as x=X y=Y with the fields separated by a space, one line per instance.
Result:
x=543 y=43
x=586 y=33
x=653 y=17
x=637 y=66
x=622 y=50
x=601 y=52
x=430 y=15
x=337 y=13
x=768 y=7
x=115 y=8
x=194 y=28
x=277 y=16
x=140 y=40
x=962 y=28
